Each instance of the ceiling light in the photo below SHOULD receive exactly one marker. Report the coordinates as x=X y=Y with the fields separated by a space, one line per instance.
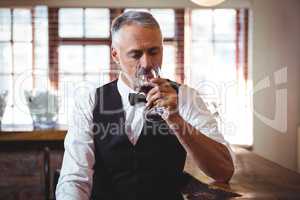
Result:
x=207 y=3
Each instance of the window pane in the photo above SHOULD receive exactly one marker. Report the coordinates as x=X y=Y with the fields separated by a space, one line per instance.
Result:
x=225 y=62
x=202 y=25
x=68 y=86
x=97 y=80
x=201 y=55
x=22 y=57
x=22 y=30
x=213 y=65
x=5 y=58
x=21 y=114
x=166 y=20
x=169 y=62
x=22 y=82
x=41 y=25
x=71 y=22
x=70 y=59
x=41 y=38
x=41 y=57
x=97 y=23
x=97 y=58
x=225 y=21
x=6 y=84
x=5 y=24
x=41 y=81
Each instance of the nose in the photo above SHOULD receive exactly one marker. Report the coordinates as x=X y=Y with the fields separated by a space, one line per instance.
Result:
x=146 y=61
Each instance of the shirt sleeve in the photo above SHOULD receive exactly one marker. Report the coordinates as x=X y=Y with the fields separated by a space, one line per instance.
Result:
x=75 y=181
x=194 y=111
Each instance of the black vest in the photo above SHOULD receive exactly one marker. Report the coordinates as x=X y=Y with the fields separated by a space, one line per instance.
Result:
x=150 y=170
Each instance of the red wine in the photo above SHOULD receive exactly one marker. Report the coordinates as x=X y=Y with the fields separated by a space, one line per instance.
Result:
x=146 y=88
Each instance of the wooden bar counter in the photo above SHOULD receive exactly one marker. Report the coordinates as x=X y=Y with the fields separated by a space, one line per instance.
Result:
x=26 y=133
x=22 y=173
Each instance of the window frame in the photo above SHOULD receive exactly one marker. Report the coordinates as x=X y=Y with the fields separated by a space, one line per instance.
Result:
x=11 y=42
x=55 y=41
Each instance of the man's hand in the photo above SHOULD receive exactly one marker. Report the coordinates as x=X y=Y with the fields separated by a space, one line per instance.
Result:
x=212 y=157
x=163 y=95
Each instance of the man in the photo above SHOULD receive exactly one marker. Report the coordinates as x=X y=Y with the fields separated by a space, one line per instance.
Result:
x=112 y=152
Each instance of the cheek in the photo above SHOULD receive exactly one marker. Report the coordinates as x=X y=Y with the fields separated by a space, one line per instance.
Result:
x=128 y=66
x=157 y=60
x=130 y=71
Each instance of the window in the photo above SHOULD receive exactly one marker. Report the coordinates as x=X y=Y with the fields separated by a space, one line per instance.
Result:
x=68 y=46
x=83 y=52
x=219 y=67
x=83 y=43
x=167 y=21
x=66 y=49
x=84 y=23
x=23 y=50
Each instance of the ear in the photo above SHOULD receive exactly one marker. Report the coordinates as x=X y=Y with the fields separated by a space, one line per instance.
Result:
x=115 y=55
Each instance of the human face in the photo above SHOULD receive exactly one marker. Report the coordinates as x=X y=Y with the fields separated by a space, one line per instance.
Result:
x=137 y=46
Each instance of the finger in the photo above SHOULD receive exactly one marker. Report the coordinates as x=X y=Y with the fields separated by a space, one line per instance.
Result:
x=157 y=89
x=153 y=91
x=157 y=95
x=166 y=101
x=151 y=104
x=162 y=103
x=152 y=100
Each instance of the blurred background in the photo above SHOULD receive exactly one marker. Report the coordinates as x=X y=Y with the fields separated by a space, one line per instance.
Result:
x=242 y=56
x=59 y=49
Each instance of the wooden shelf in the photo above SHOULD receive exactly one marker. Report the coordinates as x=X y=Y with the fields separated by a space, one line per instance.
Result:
x=27 y=133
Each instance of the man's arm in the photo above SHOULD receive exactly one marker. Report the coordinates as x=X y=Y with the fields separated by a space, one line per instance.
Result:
x=195 y=128
x=75 y=181
x=212 y=157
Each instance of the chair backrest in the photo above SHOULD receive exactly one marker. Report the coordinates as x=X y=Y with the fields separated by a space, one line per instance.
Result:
x=55 y=181
x=49 y=188
x=46 y=152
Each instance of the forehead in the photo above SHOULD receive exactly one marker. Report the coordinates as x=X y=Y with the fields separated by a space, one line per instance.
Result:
x=137 y=37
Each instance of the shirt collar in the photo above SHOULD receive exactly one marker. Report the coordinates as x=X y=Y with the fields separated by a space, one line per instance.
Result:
x=124 y=91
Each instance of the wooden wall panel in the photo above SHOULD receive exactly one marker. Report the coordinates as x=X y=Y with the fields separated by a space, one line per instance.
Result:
x=22 y=174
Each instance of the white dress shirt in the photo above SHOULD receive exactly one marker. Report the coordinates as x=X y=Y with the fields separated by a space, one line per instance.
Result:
x=75 y=181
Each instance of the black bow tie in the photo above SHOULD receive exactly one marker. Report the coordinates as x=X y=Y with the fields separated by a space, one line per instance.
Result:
x=136 y=98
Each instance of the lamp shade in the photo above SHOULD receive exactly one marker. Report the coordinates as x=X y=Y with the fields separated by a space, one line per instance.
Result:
x=207 y=3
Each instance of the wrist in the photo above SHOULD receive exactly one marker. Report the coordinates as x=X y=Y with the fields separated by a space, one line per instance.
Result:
x=178 y=126
x=173 y=120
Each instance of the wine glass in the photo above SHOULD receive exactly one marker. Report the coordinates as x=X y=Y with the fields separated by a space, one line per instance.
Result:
x=143 y=86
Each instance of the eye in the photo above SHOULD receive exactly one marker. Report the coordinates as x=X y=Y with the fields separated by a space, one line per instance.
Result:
x=153 y=51
x=136 y=54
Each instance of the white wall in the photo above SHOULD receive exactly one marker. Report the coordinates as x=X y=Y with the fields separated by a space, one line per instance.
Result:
x=276 y=43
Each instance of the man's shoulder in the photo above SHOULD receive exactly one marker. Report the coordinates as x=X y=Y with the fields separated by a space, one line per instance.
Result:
x=191 y=96
x=107 y=86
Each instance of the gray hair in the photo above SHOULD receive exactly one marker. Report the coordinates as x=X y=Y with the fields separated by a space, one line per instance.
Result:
x=144 y=19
